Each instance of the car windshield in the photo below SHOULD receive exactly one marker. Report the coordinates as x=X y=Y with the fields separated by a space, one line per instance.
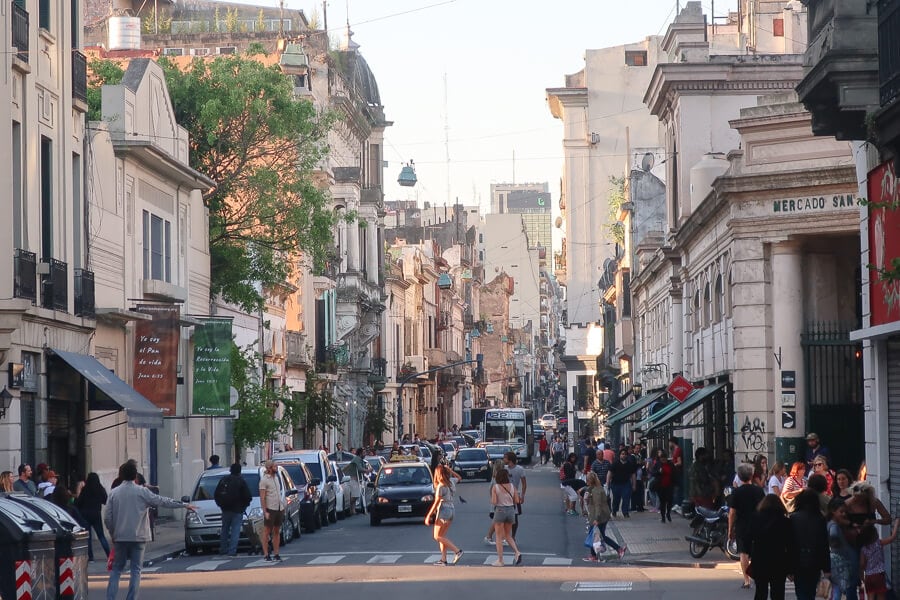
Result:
x=404 y=476
x=448 y=447
x=206 y=487
x=471 y=454
x=296 y=472
x=315 y=470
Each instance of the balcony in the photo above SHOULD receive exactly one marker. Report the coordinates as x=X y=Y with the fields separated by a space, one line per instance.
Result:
x=468 y=322
x=79 y=77
x=378 y=376
x=20 y=31
x=297 y=353
x=25 y=275
x=444 y=320
x=54 y=284
x=840 y=84
x=887 y=120
x=328 y=362
x=84 y=294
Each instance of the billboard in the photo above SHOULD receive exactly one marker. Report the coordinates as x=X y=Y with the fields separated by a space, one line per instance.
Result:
x=212 y=368
x=156 y=355
x=884 y=243
x=527 y=201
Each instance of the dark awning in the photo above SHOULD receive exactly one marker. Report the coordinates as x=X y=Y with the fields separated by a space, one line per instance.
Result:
x=634 y=407
x=141 y=413
x=678 y=409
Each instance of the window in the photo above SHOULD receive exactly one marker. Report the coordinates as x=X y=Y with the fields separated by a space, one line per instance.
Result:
x=707 y=306
x=636 y=58
x=173 y=51
x=44 y=14
x=778 y=27
x=157 y=247
x=76 y=29
x=46 y=198
x=697 y=310
x=77 y=210
x=18 y=208
x=719 y=301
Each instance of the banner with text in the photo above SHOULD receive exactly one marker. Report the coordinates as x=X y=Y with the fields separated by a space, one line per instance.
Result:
x=156 y=356
x=212 y=368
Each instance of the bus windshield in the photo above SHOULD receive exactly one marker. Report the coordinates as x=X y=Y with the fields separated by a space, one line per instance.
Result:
x=507 y=430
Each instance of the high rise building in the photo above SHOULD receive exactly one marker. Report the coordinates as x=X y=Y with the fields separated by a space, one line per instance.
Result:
x=532 y=201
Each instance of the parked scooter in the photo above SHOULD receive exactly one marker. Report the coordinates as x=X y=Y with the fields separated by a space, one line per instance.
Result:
x=709 y=530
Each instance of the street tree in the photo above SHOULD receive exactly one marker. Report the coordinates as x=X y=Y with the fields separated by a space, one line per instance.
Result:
x=322 y=411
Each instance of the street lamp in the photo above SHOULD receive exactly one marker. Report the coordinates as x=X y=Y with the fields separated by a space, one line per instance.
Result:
x=5 y=401
x=637 y=388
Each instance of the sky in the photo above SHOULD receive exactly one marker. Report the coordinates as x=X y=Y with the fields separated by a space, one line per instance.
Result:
x=497 y=58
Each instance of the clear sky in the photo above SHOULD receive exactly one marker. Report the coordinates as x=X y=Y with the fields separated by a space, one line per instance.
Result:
x=498 y=56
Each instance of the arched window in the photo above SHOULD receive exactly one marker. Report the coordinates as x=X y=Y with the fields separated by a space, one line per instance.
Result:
x=697 y=310
x=728 y=296
x=707 y=306
x=719 y=301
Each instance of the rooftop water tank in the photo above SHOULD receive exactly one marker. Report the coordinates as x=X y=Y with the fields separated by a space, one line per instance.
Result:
x=712 y=165
x=124 y=33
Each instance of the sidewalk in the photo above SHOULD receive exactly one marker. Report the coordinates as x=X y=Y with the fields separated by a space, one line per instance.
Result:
x=655 y=544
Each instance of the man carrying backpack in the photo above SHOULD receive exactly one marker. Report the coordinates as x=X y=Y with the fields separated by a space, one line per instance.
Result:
x=232 y=495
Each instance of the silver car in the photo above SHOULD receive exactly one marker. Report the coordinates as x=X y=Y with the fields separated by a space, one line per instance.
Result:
x=203 y=526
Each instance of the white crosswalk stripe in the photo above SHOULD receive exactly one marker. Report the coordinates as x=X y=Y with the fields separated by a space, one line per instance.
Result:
x=433 y=558
x=206 y=565
x=384 y=559
x=554 y=561
x=332 y=559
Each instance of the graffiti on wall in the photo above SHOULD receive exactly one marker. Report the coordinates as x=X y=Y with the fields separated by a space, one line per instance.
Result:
x=753 y=438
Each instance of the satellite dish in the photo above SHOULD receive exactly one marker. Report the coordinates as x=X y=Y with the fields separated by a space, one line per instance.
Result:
x=648 y=161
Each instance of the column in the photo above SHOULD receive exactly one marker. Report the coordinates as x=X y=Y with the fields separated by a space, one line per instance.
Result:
x=676 y=335
x=372 y=250
x=353 y=247
x=787 y=325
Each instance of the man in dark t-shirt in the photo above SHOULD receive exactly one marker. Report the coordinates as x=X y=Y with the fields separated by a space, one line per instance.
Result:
x=743 y=502
x=621 y=480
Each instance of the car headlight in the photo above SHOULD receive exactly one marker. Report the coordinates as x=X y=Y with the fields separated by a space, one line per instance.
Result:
x=255 y=512
x=428 y=498
x=192 y=518
x=483 y=468
x=382 y=500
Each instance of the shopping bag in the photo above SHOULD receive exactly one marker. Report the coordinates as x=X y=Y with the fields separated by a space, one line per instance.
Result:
x=589 y=539
x=597 y=543
x=823 y=589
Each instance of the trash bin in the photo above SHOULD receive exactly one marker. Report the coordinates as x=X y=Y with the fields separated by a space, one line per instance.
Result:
x=27 y=547
x=71 y=546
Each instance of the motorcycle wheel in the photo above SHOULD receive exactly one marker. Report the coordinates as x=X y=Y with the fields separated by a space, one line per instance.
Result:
x=730 y=549
x=698 y=549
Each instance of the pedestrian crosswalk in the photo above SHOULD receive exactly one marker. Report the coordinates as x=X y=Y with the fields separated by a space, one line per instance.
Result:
x=470 y=558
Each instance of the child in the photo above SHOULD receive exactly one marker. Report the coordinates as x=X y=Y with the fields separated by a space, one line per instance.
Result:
x=871 y=560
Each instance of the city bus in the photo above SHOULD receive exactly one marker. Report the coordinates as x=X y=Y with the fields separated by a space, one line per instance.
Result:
x=511 y=426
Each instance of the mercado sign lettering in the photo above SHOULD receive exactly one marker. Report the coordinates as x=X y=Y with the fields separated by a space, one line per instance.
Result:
x=814 y=203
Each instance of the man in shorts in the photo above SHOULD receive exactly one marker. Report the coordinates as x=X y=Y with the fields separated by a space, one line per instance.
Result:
x=273 y=510
x=518 y=479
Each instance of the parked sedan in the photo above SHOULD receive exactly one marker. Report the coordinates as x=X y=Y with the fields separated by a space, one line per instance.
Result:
x=310 y=502
x=203 y=525
x=401 y=490
x=473 y=463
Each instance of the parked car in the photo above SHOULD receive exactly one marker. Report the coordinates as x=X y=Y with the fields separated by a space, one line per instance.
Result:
x=472 y=433
x=320 y=467
x=376 y=463
x=344 y=495
x=203 y=525
x=548 y=421
x=310 y=503
x=401 y=490
x=473 y=463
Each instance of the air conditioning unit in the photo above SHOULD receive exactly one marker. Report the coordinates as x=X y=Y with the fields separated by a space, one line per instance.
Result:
x=594 y=138
x=226 y=50
x=200 y=51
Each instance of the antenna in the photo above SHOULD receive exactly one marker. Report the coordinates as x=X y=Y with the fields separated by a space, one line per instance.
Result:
x=447 y=136
x=514 y=167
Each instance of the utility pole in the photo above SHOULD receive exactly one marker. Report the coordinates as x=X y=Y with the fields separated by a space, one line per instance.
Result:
x=447 y=136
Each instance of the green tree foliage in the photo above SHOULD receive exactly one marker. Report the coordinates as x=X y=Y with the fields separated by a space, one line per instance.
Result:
x=260 y=145
x=322 y=410
x=101 y=72
x=261 y=20
x=615 y=200
x=378 y=421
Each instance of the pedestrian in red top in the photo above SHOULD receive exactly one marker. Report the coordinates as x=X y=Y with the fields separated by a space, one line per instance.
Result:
x=543 y=447
x=663 y=473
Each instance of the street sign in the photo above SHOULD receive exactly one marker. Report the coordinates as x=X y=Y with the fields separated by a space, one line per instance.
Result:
x=680 y=388
x=788 y=419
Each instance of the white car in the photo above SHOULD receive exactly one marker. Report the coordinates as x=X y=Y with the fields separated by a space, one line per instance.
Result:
x=548 y=421
x=343 y=491
x=449 y=449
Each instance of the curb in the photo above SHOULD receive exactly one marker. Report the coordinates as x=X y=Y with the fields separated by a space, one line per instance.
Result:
x=650 y=562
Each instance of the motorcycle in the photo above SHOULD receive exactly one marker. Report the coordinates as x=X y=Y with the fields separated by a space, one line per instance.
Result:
x=709 y=530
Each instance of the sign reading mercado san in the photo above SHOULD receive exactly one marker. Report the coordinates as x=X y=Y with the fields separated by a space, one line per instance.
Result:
x=212 y=368
x=814 y=203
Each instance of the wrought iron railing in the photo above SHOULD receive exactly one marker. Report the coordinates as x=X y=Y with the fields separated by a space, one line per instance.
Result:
x=889 y=50
x=25 y=275
x=20 y=31
x=84 y=294
x=79 y=76
x=54 y=285
x=379 y=367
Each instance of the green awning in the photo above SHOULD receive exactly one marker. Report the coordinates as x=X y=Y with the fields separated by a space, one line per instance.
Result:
x=648 y=422
x=634 y=407
x=679 y=409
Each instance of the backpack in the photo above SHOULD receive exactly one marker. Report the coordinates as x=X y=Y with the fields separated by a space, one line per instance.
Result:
x=228 y=493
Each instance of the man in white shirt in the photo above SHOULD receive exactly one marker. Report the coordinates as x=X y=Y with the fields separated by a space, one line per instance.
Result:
x=517 y=478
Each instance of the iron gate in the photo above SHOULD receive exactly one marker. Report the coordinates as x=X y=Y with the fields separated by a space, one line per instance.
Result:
x=834 y=391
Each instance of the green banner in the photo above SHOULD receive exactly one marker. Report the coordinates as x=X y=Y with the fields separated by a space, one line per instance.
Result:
x=212 y=368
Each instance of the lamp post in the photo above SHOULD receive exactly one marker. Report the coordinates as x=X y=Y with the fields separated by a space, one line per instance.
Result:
x=5 y=401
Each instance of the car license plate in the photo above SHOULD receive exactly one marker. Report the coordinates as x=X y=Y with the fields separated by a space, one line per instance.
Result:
x=404 y=508
x=469 y=472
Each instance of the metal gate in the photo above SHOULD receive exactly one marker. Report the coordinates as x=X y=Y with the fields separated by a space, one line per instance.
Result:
x=893 y=410
x=834 y=391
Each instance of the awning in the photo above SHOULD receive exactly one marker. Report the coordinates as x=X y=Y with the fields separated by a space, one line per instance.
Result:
x=678 y=409
x=634 y=407
x=141 y=413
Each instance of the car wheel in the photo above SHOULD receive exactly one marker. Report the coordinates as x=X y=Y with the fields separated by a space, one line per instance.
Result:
x=374 y=521
x=287 y=532
x=192 y=550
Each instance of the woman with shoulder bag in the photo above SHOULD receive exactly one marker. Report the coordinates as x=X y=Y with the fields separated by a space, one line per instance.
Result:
x=442 y=512
x=598 y=515
x=504 y=498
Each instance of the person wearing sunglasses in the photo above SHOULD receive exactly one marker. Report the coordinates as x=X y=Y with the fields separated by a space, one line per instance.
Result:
x=820 y=467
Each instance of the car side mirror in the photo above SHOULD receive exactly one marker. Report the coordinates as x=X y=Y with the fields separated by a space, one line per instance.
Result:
x=315 y=481
x=186 y=499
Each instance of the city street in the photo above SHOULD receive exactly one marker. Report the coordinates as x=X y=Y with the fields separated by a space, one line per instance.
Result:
x=398 y=556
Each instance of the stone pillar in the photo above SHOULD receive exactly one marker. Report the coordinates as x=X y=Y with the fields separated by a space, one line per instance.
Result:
x=676 y=336
x=787 y=325
x=353 y=247
x=372 y=250
x=342 y=236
